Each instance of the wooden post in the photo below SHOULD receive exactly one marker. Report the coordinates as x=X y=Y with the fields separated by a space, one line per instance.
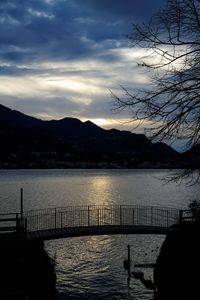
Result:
x=127 y=262
x=129 y=255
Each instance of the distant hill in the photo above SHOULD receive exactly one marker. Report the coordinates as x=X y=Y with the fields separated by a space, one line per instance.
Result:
x=191 y=158
x=28 y=142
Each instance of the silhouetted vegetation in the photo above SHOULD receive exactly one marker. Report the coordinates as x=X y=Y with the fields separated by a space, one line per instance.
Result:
x=194 y=207
x=170 y=103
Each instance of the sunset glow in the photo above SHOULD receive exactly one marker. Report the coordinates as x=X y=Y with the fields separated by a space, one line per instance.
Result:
x=62 y=58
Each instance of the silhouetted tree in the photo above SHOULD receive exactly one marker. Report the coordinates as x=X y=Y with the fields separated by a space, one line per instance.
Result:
x=171 y=100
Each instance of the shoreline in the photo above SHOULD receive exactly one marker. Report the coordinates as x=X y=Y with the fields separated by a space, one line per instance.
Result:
x=100 y=167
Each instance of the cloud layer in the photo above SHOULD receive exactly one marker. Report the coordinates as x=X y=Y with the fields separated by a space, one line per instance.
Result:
x=60 y=57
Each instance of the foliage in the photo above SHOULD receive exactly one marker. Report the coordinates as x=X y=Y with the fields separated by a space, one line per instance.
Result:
x=194 y=207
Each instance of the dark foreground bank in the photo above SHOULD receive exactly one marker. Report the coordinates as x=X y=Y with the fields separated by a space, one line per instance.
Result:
x=26 y=271
x=178 y=265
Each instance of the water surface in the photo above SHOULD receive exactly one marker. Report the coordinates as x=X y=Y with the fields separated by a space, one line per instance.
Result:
x=50 y=188
x=92 y=267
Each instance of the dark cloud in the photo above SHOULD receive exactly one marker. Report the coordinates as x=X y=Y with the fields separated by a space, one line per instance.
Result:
x=65 y=29
x=59 y=57
x=123 y=8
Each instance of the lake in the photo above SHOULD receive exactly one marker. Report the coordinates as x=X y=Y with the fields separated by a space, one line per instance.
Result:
x=92 y=267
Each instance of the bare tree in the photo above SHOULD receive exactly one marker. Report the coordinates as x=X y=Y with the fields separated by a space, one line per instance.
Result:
x=171 y=101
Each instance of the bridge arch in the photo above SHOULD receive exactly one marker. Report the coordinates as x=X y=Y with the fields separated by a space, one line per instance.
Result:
x=74 y=221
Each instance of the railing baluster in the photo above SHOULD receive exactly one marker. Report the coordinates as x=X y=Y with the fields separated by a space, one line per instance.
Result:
x=167 y=218
x=151 y=216
x=98 y=217
x=55 y=216
x=17 y=222
x=180 y=216
x=120 y=215
x=88 y=213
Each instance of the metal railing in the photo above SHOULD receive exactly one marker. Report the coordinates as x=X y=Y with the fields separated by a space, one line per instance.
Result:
x=113 y=215
x=10 y=222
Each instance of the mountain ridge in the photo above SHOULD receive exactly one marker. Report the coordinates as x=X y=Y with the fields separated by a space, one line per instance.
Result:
x=20 y=119
x=69 y=142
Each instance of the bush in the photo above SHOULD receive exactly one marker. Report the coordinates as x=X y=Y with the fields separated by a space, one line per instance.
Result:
x=194 y=207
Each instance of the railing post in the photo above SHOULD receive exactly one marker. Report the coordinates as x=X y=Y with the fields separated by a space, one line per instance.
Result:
x=17 y=222
x=21 y=203
x=25 y=225
x=180 y=216
x=37 y=223
x=133 y=218
x=88 y=215
x=21 y=222
x=151 y=216
x=61 y=219
x=120 y=215
x=98 y=218
x=167 y=218
x=55 y=218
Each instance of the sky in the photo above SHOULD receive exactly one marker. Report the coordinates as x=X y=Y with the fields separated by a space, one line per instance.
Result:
x=61 y=58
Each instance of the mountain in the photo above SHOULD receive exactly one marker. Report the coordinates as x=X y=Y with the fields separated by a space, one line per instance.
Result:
x=69 y=142
x=17 y=119
x=71 y=127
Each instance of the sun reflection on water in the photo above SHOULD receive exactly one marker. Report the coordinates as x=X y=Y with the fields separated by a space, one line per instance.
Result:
x=100 y=190
x=92 y=267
